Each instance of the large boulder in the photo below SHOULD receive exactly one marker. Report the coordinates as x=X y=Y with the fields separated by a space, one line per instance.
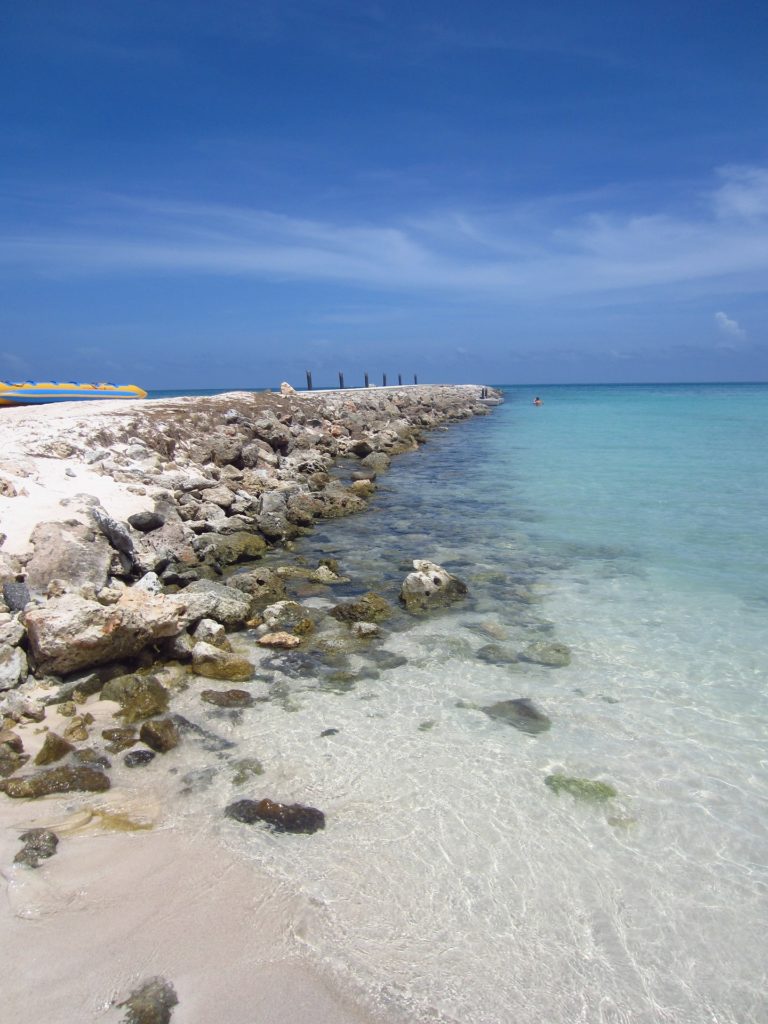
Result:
x=70 y=632
x=205 y=599
x=429 y=586
x=67 y=551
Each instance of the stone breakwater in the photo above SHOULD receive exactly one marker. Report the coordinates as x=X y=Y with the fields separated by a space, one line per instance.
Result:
x=132 y=541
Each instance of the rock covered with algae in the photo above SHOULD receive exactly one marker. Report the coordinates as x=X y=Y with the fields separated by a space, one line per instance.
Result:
x=589 y=790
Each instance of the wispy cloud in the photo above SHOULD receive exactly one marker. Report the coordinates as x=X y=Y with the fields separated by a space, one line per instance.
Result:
x=529 y=252
x=729 y=328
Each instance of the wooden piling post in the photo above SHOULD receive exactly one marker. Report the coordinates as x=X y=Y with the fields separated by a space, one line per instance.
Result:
x=384 y=379
x=309 y=381
x=415 y=379
x=366 y=380
x=400 y=379
x=341 y=379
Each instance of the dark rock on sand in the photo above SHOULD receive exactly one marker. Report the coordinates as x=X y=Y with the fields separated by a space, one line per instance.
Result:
x=119 y=739
x=82 y=778
x=139 y=697
x=521 y=713
x=16 y=596
x=145 y=522
x=227 y=698
x=53 y=749
x=265 y=586
x=151 y=1003
x=281 y=817
x=138 y=758
x=161 y=734
x=90 y=756
x=39 y=845
x=330 y=732
x=553 y=655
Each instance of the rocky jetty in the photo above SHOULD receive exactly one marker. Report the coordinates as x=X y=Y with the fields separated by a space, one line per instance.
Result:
x=131 y=538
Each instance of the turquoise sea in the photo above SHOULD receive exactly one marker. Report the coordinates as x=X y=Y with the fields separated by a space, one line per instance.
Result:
x=451 y=884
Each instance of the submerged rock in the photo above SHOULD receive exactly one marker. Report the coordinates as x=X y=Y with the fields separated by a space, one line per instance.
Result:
x=139 y=697
x=151 y=1003
x=553 y=655
x=39 y=845
x=246 y=768
x=161 y=734
x=371 y=607
x=590 y=790
x=214 y=663
x=83 y=778
x=521 y=713
x=228 y=698
x=497 y=654
x=281 y=817
x=430 y=587
x=138 y=758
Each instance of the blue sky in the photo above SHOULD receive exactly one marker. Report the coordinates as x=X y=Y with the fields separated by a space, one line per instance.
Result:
x=214 y=195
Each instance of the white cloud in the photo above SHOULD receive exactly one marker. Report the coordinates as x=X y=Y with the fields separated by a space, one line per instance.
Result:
x=521 y=253
x=728 y=326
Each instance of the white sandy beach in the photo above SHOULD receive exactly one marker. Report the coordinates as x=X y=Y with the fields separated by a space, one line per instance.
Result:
x=112 y=909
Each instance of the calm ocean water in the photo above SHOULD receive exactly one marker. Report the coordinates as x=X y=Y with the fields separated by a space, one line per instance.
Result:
x=451 y=884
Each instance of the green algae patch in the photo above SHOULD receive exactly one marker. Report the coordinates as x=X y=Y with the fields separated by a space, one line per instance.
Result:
x=588 y=790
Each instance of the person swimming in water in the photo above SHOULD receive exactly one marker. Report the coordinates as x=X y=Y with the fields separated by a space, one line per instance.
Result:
x=537 y=401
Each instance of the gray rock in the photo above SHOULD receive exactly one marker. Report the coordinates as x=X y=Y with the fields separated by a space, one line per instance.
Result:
x=377 y=461
x=70 y=552
x=70 y=633
x=116 y=533
x=146 y=522
x=138 y=758
x=13 y=667
x=207 y=600
x=39 y=845
x=16 y=596
x=430 y=587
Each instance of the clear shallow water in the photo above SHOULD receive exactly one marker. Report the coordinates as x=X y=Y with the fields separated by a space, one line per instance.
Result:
x=450 y=884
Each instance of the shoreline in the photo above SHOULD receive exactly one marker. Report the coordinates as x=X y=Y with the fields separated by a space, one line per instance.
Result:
x=101 y=885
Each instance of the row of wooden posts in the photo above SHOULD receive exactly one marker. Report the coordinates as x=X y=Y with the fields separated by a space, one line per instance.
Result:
x=367 y=382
